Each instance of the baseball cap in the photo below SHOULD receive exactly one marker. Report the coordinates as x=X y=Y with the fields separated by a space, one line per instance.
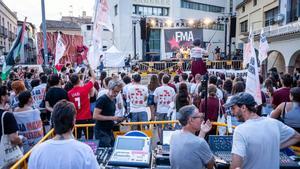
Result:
x=241 y=99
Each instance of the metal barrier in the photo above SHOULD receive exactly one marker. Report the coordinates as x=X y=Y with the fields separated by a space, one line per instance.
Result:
x=185 y=64
x=23 y=162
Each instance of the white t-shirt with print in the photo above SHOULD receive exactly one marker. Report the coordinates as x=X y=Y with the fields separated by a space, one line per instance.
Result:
x=67 y=154
x=125 y=89
x=137 y=95
x=258 y=141
x=164 y=96
x=38 y=94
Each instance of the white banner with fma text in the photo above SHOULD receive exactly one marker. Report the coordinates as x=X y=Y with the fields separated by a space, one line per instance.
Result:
x=229 y=73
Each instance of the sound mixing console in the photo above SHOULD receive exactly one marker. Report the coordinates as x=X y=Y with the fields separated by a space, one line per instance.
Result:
x=103 y=154
x=221 y=147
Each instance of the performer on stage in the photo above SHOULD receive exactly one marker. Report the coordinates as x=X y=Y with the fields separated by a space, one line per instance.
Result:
x=198 y=66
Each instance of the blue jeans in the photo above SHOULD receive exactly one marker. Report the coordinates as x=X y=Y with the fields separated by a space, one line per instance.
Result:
x=138 y=117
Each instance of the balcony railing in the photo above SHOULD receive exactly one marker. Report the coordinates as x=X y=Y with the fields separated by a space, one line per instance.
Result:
x=172 y=66
x=5 y=33
x=1 y=31
x=271 y=31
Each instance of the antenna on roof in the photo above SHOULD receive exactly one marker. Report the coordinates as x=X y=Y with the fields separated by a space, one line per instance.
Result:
x=71 y=10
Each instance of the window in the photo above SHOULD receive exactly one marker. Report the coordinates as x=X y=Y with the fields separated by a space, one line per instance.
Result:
x=244 y=26
x=88 y=27
x=116 y=10
x=150 y=11
x=154 y=40
x=201 y=6
x=293 y=14
x=231 y=6
x=243 y=9
x=270 y=16
x=254 y=2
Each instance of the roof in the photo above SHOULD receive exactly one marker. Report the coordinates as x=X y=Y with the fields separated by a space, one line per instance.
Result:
x=242 y=4
x=61 y=25
x=11 y=12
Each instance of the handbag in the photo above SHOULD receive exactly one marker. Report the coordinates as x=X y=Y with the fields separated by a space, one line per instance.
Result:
x=9 y=152
x=221 y=119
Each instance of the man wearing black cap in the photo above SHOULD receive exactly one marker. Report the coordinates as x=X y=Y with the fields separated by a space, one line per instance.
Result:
x=257 y=142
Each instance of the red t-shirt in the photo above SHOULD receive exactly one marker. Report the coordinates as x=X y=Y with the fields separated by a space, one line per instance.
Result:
x=281 y=95
x=80 y=97
x=212 y=108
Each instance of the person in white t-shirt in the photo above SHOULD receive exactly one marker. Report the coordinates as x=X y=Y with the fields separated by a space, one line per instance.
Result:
x=38 y=92
x=213 y=80
x=63 y=151
x=127 y=80
x=257 y=142
x=163 y=96
x=137 y=95
x=184 y=79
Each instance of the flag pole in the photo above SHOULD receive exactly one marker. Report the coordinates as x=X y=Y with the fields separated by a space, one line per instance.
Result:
x=44 y=33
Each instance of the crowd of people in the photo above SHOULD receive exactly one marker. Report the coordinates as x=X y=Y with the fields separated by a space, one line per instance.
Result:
x=34 y=102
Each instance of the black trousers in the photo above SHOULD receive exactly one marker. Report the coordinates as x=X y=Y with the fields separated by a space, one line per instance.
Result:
x=90 y=129
x=105 y=136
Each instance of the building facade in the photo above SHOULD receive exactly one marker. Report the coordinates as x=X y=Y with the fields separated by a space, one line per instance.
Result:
x=8 y=28
x=66 y=27
x=87 y=33
x=30 y=48
x=181 y=17
x=279 y=19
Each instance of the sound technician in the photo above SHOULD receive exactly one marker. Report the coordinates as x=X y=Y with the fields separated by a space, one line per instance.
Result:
x=186 y=149
x=257 y=142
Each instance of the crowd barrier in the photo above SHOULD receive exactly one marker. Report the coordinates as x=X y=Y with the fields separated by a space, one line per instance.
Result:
x=173 y=65
x=146 y=127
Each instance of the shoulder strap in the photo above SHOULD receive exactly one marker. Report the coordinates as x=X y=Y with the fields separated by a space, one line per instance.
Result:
x=283 y=112
x=2 y=121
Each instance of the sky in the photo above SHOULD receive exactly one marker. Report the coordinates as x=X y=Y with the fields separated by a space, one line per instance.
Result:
x=54 y=9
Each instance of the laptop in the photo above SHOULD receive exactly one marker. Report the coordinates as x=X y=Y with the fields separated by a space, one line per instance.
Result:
x=166 y=139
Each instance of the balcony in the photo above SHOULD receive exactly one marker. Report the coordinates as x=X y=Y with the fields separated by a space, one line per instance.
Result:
x=274 y=30
x=5 y=33
x=11 y=35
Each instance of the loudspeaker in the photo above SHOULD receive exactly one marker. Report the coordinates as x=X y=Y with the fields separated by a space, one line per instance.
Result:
x=232 y=27
x=143 y=25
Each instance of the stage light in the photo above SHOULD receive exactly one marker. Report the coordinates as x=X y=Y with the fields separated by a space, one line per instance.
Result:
x=169 y=22
x=207 y=21
x=152 y=22
x=191 y=22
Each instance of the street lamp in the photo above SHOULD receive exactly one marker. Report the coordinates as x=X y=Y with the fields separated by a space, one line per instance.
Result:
x=225 y=20
x=134 y=22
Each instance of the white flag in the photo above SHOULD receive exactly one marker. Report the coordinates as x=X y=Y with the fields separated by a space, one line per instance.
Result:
x=60 y=49
x=102 y=16
x=95 y=49
x=247 y=50
x=263 y=47
x=252 y=81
